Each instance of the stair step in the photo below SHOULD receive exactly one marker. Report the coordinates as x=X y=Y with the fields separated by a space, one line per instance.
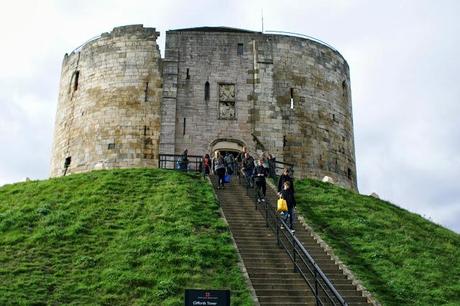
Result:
x=287 y=300
x=300 y=284
x=281 y=292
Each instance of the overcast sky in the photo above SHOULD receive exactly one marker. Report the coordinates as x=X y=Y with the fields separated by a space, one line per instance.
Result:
x=404 y=58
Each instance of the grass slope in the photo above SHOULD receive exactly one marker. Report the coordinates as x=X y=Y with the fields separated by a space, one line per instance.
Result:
x=402 y=258
x=124 y=237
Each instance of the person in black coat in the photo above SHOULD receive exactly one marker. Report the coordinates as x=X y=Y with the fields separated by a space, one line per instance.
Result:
x=285 y=177
x=260 y=173
x=288 y=194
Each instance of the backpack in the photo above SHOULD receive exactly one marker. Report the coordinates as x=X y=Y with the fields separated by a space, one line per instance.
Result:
x=219 y=164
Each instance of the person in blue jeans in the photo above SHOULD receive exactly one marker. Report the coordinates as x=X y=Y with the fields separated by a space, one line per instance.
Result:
x=219 y=169
x=288 y=195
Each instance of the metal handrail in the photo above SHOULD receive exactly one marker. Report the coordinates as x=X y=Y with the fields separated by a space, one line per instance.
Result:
x=172 y=161
x=301 y=36
x=280 y=166
x=294 y=249
x=77 y=49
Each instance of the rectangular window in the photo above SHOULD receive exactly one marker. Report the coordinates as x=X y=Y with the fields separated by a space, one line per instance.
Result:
x=111 y=146
x=239 y=49
x=227 y=101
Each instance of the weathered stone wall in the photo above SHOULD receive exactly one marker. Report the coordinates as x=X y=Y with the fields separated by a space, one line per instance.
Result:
x=108 y=112
x=190 y=119
x=318 y=131
x=216 y=87
x=265 y=71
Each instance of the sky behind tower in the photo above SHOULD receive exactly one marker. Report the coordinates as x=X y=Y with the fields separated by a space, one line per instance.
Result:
x=403 y=58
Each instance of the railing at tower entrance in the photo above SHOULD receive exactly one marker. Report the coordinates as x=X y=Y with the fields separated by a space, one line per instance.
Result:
x=176 y=162
x=194 y=163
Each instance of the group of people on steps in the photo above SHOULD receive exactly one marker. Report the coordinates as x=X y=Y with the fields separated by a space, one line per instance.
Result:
x=255 y=175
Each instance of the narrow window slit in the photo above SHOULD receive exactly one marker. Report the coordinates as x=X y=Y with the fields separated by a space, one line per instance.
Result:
x=146 y=91
x=206 y=91
x=75 y=81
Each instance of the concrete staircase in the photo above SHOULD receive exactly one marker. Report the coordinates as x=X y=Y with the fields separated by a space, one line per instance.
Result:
x=269 y=268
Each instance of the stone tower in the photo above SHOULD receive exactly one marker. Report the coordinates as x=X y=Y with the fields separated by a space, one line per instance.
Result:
x=219 y=88
x=108 y=113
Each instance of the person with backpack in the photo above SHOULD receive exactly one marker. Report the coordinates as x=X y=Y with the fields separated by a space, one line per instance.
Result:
x=219 y=169
x=184 y=161
x=230 y=163
x=260 y=173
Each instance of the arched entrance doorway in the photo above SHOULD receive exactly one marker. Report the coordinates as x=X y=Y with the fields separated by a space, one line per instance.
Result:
x=225 y=145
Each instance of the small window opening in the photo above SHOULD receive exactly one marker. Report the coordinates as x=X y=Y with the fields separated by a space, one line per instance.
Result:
x=333 y=117
x=145 y=130
x=239 y=50
x=284 y=141
x=206 y=91
x=75 y=80
x=292 y=98
x=188 y=74
x=67 y=164
x=146 y=90
x=344 y=89
x=185 y=122
x=111 y=146
x=349 y=174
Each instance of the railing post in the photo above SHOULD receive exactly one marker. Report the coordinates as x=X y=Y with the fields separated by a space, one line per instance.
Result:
x=293 y=253
x=266 y=213
x=277 y=232
x=316 y=288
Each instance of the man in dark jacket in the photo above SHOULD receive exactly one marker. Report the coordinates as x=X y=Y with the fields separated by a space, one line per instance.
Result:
x=260 y=172
x=248 y=168
x=285 y=177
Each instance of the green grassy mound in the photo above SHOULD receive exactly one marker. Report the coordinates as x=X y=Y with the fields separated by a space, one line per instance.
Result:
x=402 y=258
x=120 y=237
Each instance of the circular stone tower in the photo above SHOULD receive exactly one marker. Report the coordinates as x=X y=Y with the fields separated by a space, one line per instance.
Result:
x=108 y=113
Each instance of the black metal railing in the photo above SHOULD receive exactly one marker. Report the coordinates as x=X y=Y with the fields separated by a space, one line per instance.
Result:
x=277 y=168
x=303 y=263
x=176 y=161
